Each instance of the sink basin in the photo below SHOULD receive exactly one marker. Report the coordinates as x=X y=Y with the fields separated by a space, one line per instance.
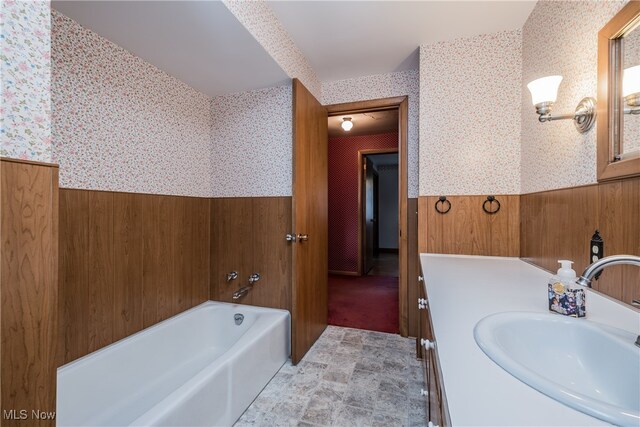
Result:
x=590 y=367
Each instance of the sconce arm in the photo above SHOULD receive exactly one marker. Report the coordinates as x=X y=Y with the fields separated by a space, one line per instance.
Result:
x=583 y=117
x=549 y=117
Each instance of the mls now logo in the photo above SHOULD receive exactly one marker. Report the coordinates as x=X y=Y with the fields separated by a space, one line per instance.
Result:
x=23 y=414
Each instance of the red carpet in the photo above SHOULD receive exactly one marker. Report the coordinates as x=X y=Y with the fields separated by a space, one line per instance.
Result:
x=367 y=302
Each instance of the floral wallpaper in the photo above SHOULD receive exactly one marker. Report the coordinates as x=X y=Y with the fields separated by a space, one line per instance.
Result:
x=470 y=91
x=561 y=37
x=25 y=63
x=258 y=18
x=121 y=124
x=384 y=86
x=252 y=140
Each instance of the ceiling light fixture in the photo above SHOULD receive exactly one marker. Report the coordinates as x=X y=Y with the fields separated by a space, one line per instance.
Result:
x=346 y=124
x=544 y=92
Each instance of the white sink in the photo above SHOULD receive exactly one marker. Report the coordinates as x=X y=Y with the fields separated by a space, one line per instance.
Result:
x=590 y=367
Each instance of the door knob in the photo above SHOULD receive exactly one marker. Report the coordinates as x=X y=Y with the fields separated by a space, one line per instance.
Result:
x=290 y=238
x=303 y=237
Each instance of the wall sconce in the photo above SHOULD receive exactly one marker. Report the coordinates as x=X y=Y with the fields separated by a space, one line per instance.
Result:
x=631 y=89
x=544 y=92
x=346 y=124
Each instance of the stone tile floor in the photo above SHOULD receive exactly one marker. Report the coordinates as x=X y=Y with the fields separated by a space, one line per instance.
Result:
x=350 y=377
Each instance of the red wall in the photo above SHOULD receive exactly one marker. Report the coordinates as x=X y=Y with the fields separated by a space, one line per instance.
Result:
x=343 y=195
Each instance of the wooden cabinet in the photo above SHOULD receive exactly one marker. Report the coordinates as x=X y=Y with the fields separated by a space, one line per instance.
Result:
x=435 y=399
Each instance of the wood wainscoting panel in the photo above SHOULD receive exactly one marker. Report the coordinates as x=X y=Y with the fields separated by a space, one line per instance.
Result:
x=127 y=261
x=248 y=236
x=74 y=274
x=28 y=289
x=558 y=224
x=630 y=222
x=505 y=229
x=610 y=202
x=100 y=256
x=157 y=271
x=271 y=252
x=231 y=246
x=127 y=280
x=466 y=229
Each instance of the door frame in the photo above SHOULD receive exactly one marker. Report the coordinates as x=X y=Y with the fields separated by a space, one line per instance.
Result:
x=362 y=224
x=402 y=104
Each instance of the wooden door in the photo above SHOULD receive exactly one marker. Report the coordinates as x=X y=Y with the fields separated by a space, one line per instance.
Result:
x=369 y=216
x=310 y=219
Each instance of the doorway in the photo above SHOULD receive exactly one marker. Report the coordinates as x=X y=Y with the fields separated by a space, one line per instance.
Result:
x=364 y=220
x=379 y=212
x=309 y=212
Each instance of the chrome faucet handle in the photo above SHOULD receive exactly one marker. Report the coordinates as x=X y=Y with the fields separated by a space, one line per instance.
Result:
x=254 y=278
x=232 y=276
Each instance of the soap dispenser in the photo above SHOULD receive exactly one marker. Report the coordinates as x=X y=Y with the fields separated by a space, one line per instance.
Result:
x=565 y=295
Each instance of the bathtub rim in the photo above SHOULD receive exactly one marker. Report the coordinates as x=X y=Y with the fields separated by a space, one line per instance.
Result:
x=161 y=324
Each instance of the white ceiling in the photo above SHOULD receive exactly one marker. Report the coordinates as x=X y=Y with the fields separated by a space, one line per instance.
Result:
x=198 y=42
x=344 y=39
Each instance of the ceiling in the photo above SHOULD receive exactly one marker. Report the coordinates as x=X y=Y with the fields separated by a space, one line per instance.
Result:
x=365 y=123
x=198 y=42
x=345 y=39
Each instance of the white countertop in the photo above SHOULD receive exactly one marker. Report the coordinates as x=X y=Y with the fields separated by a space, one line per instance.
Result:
x=464 y=289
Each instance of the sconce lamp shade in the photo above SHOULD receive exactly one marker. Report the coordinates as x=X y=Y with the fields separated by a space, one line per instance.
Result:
x=347 y=124
x=631 y=81
x=544 y=89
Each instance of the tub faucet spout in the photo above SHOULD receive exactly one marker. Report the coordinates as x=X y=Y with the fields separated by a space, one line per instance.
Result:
x=241 y=292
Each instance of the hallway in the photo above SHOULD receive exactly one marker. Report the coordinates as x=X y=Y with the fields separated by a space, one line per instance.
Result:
x=364 y=302
x=385 y=264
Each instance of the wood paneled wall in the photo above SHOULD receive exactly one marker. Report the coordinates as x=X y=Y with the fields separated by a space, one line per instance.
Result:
x=28 y=289
x=248 y=236
x=127 y=261
x=466 y=229
x=559 y=224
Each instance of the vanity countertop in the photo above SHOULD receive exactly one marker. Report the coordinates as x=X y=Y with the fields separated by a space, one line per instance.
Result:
x=464 y=289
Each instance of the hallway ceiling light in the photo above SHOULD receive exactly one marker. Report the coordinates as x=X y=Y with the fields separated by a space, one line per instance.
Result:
x=347 y=124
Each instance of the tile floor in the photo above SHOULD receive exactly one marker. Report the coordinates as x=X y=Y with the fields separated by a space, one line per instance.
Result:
x=350 y=377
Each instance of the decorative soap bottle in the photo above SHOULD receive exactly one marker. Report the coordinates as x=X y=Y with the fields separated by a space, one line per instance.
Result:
x=565 y=295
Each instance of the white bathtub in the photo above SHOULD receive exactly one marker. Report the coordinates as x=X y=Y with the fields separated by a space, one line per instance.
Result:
x=195 y=369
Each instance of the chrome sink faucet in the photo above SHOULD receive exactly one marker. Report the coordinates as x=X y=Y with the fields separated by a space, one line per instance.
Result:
x=593 y=269
x=596 y=267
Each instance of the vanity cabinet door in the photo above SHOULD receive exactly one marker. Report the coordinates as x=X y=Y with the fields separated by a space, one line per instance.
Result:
x=425 y=333
x=435 y=401
x=435 y=396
